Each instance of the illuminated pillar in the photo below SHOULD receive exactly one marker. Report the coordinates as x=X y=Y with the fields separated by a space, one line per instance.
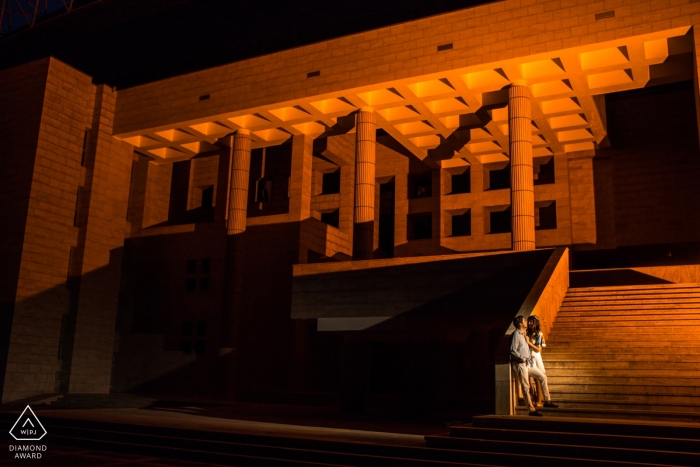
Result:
x=365 y=162
x=239 y=171
x=238 y=185
x=521 y=174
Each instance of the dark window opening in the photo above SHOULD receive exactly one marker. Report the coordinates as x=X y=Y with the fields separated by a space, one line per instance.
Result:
x=82 y=155
x=186 y=347
x=387 y=193
x=191 y=267
x=200 y=347
x=420 y=185
x=204 y=283
x=462 y=224
x=420 y=226
x=206 y=265
x=264 y=193
x=499 y=179
x=208 y=197
x=547 y=217
x=331 y=218
x=546 y=174
x=201 y=328
x=77 y=203
x=331 y=183
x=187 y=328
x=500 y=221
x=461 y=183
x=190 y=284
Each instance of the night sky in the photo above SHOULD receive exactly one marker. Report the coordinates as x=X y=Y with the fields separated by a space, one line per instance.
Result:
x=128 y=42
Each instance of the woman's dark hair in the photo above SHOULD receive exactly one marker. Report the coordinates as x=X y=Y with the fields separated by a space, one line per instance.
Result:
x=534 y=332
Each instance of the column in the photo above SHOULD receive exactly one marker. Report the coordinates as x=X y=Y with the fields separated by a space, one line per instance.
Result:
x=238 y=184
x=365 y=158
x=521 y=174
x=234 y=261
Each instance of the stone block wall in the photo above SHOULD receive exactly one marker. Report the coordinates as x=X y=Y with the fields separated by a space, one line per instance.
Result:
x=50 y=232
x=69 y=229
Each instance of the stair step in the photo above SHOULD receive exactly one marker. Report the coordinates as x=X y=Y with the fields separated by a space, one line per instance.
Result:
x=622 y=317
x=668 y=399
x=607 y=387
x=544 y=447
x=582 y=425
x=649 y=381
x=622 y=373
x=584 y=439
x=642 y=365
x=623 y=288
x=653 y=295
x=633 y=306
x=658 y=334
x=568 y=305
x=649 y=415
x=626 y=320
x=602 y=403
x=593 y=355
x=640 y=345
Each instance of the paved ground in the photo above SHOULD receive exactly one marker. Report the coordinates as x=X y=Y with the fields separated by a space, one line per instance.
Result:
x=264 y=419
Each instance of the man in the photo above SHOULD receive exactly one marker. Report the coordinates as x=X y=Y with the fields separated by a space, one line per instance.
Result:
x=519 y=358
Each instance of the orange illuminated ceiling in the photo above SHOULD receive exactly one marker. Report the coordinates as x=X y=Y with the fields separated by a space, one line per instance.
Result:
x=421 y=111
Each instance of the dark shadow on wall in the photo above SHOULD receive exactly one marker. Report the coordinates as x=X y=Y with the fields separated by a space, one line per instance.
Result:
x=437 y=352
x=38 y=334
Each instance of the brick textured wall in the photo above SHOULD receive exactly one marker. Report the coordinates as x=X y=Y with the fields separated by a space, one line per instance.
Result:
x=21 y=98
x=655 y=165
x=42 y=298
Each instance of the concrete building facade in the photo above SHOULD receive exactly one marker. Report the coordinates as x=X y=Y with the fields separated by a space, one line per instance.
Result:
x=154 y=230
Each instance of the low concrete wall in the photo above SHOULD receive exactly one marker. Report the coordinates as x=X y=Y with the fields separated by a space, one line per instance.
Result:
x=544 y=300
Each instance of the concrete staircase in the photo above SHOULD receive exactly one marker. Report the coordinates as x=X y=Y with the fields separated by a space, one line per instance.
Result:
x=558 y=441
x=629 y=352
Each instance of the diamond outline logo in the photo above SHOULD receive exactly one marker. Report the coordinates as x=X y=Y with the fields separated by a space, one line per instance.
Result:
x=28 y=419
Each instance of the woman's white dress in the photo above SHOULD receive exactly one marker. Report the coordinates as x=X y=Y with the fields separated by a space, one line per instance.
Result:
x=536 y=359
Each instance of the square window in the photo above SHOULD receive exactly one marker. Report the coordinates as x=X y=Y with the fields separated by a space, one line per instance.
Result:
x=499 y=179
x=420 y=185
x=186 y=347
x=191 y=267
x=190 y=284
x=331 y=183
x=461 y=183
x=200 y=347
x=264 y=191
x=500 y=221
x=420 y=226
x=201 y=328
x=546 y=218
x=462 y=224
x=204 y=283
x=331 y=218
x=206 y=265
x=187 y=328
x=545 y=175
x=208 y=197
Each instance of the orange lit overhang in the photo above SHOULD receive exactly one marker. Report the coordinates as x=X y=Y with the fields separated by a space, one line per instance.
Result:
x=422 y=112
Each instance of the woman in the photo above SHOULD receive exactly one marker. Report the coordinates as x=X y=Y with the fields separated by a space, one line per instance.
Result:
x=535 y=339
